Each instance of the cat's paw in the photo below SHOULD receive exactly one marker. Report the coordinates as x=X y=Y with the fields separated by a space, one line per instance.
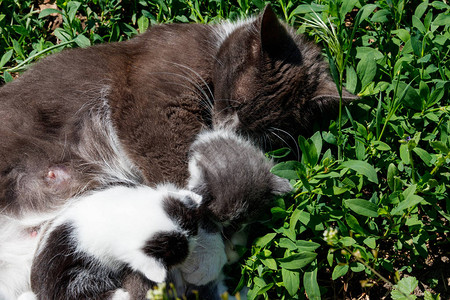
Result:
x=206 y=261
x=27 y=296
x=121 y=294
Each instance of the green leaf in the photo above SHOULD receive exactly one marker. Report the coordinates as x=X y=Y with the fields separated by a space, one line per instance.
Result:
x=347 y=241
x=7 y=77
x=392 y=172
x=362 y=207
x=381 y=16
x=371 y=242
x=264 y=240
x=297 y=261
x=72 y=8
x=311 y=285
x=424 y=155
x=286 y=169
x=421 y=9
x=379 y=145
x=351 y=79
x=270 y=263
x=6 y=57
x=309 y=151
x=406 y=286
x=404 y=154
x=363 y=168
x=357 y=267
x=291 y=281
x=82 y=41
x=366 y=70
x=287 y=243
x=410 y=201
x=339 y=270
x=143 y=24
x=48 y=11
x=307 y=246
x=353 y=223
x=441 y=20
x=440 y=146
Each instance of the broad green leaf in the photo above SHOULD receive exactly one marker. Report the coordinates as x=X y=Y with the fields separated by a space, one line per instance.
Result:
x=440 y=146
x=143 y=24
x=311 y=285
x=297 y=261
x=405 y=286
x=270 y=263
x=82 y=41
x=392 y=172
x=381 y=16
x=7 y=77
x=306 y=246
x=367 y=10
x=316 y=138
x=421 y=9
x=354 y=224
x=442 y=20
x=418 y=24
x=286 y=169
x=48 y=11
x=351 y=79
x=404 y=154
x=371 y=242
x=287 y=243
x=6 y=57
x=407 y=203
x=347 y=241
x=264 y=240
x=309 y=151
x=381 y=146
x=357 y=267
x=424 y=155
x=291 y=281
x=339 y=270
x=363 y=168
x=72 y=8
x=362 y=207
x=366 y=69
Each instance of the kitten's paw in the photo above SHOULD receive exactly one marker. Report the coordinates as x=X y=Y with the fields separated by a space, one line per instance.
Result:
x=27 y=296
x=121 y=294
x=206 y=261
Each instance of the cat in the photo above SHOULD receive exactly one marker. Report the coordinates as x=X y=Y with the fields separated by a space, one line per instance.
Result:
x=128 y=112
x=87 y=251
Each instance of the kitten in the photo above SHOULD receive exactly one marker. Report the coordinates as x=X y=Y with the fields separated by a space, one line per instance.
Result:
x=233 y=177
x=129 y=111
x=88 y=250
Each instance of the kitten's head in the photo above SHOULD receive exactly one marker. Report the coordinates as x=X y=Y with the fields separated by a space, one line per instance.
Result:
x=268 y=78
x=233 y=177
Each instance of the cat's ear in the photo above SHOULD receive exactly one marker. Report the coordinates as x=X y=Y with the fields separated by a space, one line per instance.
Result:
x=274 y=36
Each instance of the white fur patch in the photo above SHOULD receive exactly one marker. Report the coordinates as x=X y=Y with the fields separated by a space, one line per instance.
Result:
x=18 y=241
x=121 y=294
x=226 y=28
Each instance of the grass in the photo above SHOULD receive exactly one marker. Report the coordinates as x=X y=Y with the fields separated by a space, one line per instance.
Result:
x=370 y=215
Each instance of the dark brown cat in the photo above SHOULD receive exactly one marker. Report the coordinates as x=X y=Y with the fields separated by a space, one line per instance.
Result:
x=130 y=110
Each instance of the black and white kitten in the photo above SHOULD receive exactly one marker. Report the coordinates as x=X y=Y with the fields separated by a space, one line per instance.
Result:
x=88 y=250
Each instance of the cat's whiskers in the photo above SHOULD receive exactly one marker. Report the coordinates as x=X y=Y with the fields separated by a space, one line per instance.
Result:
x=272 y=129
x=211 y=100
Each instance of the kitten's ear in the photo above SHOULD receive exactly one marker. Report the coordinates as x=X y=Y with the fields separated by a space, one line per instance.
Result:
x=274 y=36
